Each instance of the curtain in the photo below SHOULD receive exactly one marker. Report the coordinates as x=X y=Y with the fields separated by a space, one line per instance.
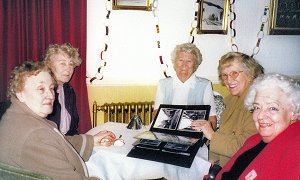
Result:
x=27 y=27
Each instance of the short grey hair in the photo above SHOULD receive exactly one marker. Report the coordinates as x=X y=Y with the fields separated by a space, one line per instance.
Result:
x=189 y=48
x=285 y=83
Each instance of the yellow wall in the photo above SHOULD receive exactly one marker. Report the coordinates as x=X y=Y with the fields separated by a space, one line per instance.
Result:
x=115 y=94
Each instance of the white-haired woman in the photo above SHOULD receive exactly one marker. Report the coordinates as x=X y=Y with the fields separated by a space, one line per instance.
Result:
x=186 y=88
x=273 y=153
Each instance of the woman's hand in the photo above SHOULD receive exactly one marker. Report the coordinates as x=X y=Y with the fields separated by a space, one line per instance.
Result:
x=104 y=138
x=204 y=126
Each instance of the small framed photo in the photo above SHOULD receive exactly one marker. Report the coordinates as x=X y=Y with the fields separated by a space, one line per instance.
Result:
x=144 y=5
x=284 y=17
x=212 y=17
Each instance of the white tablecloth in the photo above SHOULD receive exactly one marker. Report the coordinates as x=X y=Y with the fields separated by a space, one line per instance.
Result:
x=111 y=163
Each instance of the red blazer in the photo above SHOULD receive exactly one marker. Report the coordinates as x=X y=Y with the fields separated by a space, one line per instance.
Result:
x=280 y=159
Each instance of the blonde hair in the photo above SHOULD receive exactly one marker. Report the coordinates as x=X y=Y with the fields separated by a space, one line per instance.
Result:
x=251 y=66
x=65 y=48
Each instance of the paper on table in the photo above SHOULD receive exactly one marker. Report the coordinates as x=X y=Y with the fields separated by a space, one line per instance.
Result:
x=146 y=135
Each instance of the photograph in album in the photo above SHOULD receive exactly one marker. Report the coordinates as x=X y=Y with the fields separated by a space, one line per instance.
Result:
x=171 y=138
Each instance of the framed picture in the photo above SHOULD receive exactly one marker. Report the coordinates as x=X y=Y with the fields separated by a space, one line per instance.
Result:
x=284 y=17
x=144 y=5
x=212 y=17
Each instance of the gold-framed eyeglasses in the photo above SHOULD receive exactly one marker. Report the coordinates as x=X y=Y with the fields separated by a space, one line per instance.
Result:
x=232 y=74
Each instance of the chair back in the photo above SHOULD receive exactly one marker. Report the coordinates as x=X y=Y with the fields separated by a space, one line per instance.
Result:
x=9 y=172
x=3 y=106
x=220 y=106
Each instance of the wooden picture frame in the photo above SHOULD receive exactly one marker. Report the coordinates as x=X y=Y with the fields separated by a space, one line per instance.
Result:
x=144 y=5
x=212 y=17
x=284 y=17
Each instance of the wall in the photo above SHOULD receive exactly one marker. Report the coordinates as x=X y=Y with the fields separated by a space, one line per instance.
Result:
x=132 y=56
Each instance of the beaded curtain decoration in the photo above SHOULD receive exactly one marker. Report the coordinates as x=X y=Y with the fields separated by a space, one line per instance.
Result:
x=99 y=74
x=260 y=34
x=163 y=66
x=194 y=22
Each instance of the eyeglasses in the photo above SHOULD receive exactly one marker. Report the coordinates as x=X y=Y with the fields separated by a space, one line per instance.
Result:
x=232 y=74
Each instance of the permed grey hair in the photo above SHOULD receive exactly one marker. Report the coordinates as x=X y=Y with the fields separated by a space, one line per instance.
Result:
x=65 y=48
x=189 y=48
x=19 y=75
x=287 y=84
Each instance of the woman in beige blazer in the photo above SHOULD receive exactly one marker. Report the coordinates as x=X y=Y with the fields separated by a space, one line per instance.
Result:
x=28 y=140
x=236 y=72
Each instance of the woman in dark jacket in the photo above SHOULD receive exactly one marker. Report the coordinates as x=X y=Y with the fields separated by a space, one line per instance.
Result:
x=62 y=60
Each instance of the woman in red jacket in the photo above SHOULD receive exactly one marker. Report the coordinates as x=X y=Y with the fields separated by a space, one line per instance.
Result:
x=273 y=153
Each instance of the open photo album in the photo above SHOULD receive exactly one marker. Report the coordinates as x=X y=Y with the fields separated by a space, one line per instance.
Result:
x=171 y=138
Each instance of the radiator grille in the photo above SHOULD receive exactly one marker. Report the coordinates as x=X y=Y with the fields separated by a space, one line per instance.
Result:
x=123 y=112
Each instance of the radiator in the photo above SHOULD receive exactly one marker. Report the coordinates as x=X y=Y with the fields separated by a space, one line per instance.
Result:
x=123 y=112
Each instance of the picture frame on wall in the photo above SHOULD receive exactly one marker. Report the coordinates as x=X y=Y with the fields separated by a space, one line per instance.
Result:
x=212 y=17
x=144 y=5
x=284 y=17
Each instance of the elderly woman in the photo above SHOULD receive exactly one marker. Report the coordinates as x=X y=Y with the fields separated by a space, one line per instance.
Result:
x=186 y=88
x=237 y=72
x=273 y=153
x=28 y=140
x=62 y=60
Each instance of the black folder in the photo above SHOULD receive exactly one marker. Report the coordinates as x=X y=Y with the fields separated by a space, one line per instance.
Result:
x=170 y=138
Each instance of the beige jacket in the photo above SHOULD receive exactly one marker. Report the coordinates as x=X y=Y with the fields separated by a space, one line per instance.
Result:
x=236 y=125
x=34 y=143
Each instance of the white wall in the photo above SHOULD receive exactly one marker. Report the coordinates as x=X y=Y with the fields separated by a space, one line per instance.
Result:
x=132 y=56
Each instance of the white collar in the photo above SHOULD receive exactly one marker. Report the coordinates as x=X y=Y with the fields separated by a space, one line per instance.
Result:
x=190 y=82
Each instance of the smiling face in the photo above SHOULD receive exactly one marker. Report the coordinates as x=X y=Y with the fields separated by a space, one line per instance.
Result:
x=238 y=85
x=184 y=65
x=38 y=93
x=62 y=67
x=272 y=114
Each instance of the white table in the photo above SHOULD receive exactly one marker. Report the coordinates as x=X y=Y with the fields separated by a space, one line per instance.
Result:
x=111 y=163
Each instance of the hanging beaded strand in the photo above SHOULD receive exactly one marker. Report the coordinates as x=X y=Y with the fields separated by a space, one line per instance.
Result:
x=194 y=22
x=260 y=35
x=163 y=66
x=232 y=25
x=99 y=74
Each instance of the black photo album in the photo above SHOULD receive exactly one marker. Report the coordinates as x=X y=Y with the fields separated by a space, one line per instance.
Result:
x=171 y=138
